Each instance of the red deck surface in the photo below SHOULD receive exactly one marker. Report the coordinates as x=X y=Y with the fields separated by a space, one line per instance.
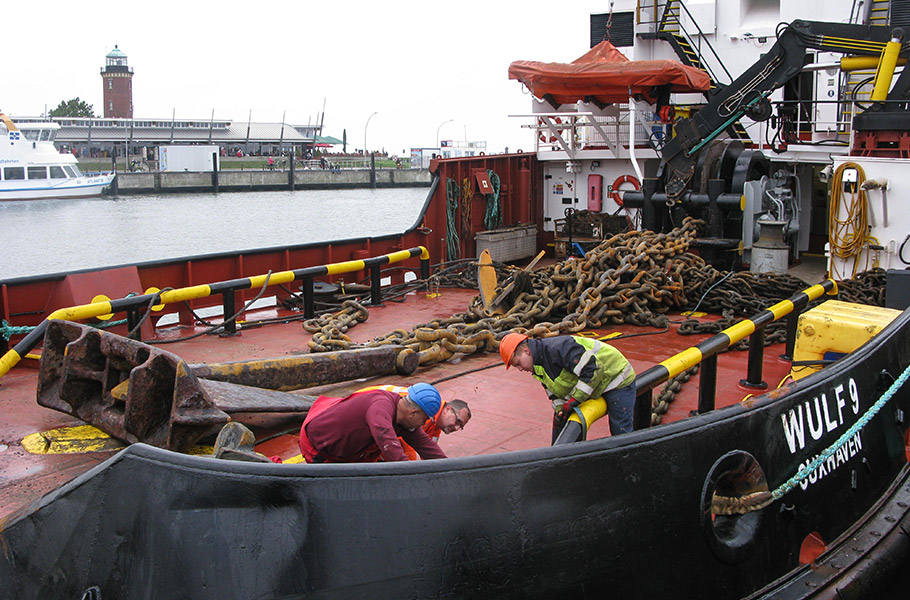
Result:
x=510 y=409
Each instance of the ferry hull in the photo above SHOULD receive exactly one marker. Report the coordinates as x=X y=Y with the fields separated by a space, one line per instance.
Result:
x=629 y=514
x=93 y=186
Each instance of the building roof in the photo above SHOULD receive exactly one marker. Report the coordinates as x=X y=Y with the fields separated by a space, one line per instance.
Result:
x=116 y=53
x=167 y=131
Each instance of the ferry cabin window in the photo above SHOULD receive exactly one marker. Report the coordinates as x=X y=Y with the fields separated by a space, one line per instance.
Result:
x=10 y=173
x=31 y=134
x=69 y=171
x=45 y=135
x=57 y=172
x=37 y=172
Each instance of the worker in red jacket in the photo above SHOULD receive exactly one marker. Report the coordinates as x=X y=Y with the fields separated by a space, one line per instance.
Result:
x=452 y=416
x=357 y=427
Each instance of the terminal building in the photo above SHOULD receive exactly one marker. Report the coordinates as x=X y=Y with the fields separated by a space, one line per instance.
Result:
x=119 y=134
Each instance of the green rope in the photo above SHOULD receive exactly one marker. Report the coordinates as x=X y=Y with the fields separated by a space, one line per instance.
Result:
x=106 y=324
x=7 y=330
x=452 y=241
x=821 y=458
x=493 y=217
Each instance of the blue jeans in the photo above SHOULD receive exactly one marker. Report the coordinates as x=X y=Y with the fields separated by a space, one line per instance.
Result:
x=621 y=407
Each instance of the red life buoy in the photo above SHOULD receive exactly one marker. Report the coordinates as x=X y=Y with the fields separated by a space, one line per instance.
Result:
x=614 y=189
x=544 y=135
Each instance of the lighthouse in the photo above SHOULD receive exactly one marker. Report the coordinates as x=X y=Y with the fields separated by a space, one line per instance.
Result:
x=118 y=85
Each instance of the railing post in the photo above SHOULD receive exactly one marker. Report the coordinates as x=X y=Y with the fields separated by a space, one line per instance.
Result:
x=641 y=417
x=707 y=384
x=309 y=298
x=792 y=324
x=215 y=172
x=424 y=268
x=132 y=320
x=375 y=287
x=229 y=307
x=756 y=354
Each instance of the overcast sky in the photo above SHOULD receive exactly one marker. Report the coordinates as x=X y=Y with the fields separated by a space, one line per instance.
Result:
x=417 y=64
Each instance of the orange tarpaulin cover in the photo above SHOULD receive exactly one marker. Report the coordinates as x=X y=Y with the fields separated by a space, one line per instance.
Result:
x=605 y=74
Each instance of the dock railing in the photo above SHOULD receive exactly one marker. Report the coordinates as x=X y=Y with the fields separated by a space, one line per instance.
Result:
x=134 y=306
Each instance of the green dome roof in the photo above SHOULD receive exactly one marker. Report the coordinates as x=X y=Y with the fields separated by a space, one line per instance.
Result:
x=116 y=53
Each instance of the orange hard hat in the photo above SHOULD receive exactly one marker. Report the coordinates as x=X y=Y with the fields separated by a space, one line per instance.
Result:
x=508 y=344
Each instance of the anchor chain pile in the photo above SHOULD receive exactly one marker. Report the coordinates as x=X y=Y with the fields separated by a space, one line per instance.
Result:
x=634 y=277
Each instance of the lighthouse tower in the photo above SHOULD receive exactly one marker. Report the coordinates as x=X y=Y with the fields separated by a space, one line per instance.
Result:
x=118 y=85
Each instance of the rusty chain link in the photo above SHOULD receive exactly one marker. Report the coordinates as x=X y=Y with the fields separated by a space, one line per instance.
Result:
x=634 y=277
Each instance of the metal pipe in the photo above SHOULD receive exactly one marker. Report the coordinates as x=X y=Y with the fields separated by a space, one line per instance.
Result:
x=636 y=199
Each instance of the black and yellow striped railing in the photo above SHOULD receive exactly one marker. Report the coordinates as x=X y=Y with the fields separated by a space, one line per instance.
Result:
x=227 y=289
x=705 y=353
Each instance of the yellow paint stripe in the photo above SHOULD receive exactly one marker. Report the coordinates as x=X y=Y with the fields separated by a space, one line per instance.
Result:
x=739 y=331
x=283 y=277
x=345 y=267
x=71 y=440
x=294 y=460
x=686 y=359
x=83 y=311
x=82 y=439
x=400 y=255
x=8 y=361
x=187 y=293
x=782 y=308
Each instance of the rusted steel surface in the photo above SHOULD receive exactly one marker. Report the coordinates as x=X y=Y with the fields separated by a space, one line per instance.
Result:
x=310 y=370
x=130 y=390
x=233 y=398
x=140 y=393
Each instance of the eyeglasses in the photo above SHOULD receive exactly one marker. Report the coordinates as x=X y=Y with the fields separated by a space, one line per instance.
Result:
x=458 y=420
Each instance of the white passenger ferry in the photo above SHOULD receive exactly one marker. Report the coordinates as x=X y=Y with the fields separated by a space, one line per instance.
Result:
x=31 y=168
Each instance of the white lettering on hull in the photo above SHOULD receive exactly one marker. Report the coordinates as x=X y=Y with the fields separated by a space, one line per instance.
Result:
x=840 y=457
x=819 y=415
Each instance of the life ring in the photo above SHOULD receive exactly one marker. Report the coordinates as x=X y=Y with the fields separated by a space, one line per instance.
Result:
x=544 y=135
x=614 y=189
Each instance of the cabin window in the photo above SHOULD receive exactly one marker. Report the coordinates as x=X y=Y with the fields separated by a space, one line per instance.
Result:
x=69 y=171
x=57 y=172
x=52 y=135
x=10 y=173
x=45 y=135
x=31 y=134
x=37 y=172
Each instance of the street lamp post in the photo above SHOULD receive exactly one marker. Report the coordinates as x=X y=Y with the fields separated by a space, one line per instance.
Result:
x=437 y=133
x=365 y=152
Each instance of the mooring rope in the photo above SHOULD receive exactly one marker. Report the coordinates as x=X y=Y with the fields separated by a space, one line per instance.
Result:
x=7 y=330
x=493 y=217
x=452 y=241
x=756 y=501
x=873 y=410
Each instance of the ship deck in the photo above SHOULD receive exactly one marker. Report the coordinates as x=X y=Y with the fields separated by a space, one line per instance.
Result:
x=510 y=410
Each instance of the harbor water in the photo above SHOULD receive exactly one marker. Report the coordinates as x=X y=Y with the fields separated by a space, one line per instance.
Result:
x=53 y=236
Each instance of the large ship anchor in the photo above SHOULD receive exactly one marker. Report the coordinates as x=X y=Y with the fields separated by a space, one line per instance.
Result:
x=140 y=393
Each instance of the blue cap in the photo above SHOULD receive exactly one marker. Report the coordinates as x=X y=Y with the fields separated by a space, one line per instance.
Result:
x=426 y=397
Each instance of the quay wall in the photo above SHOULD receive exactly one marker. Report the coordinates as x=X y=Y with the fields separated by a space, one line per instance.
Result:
x=236 y=180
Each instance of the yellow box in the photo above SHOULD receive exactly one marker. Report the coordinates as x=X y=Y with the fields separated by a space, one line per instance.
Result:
x=835 y=326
